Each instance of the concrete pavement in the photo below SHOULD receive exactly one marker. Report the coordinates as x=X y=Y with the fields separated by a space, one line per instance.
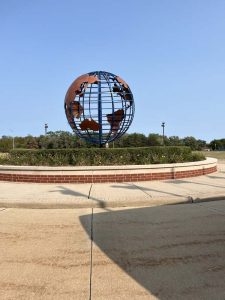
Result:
x=45 y=254
x=145 y=250
x=161 y=252
x=146 y=193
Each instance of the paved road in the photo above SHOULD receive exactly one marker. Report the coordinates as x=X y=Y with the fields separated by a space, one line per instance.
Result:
x=161 y=252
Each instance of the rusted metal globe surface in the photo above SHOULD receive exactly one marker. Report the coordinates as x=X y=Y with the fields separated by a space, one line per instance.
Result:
x=99 y=107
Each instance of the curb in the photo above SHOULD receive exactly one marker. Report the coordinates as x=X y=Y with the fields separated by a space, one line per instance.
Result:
x=208 y=199
x=113 y=204
x=89 y=203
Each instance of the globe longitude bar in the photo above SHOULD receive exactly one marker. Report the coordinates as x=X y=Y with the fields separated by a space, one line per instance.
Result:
x=100 y=109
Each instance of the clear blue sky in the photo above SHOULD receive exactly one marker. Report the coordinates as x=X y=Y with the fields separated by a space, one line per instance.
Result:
x=171 y=53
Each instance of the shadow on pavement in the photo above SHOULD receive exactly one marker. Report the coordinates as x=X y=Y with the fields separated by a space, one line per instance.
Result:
x=66 y=191
x=216 y=177
x=183 y=181
x=134 y=186
x=174 y=252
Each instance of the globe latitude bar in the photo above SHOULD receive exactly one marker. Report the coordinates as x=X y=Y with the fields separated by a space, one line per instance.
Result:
x=99 y=107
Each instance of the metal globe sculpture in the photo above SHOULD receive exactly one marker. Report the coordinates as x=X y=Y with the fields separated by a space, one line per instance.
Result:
x=99 y=107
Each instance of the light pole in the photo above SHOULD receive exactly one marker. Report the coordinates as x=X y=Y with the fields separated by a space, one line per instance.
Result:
x=13 y=139
x=46 y=128
x=163 y=126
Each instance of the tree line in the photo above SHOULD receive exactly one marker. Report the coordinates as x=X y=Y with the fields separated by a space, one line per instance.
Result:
x=64 y=139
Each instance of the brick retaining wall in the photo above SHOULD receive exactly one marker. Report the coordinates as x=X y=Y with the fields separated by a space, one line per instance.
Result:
x=106 y=174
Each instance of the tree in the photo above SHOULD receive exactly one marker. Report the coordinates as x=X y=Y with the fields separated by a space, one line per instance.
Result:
x=217 y=144
x=174 y=141
x=154 y=139
x=194 y=144
x=6 y=144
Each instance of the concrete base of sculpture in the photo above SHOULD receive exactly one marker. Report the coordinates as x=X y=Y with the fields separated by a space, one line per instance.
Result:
x=93 y=174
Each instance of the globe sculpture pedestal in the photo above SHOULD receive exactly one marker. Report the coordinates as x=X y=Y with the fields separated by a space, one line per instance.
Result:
x=99 y=107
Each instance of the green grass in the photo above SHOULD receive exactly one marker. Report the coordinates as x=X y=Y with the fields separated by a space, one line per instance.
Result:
x=215 y=154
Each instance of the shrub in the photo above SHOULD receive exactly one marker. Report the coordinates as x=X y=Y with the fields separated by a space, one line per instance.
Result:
x=102 y=156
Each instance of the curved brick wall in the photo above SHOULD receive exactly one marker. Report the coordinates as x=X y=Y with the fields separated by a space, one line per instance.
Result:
x=106 y=173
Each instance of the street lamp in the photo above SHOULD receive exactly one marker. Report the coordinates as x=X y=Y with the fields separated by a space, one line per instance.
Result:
x=46 y=128
x=163 y=126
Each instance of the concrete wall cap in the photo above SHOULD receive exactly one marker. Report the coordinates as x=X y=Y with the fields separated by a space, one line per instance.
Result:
x=207 y=162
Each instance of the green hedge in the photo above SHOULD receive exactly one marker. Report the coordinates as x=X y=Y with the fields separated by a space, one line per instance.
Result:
x=98 y=157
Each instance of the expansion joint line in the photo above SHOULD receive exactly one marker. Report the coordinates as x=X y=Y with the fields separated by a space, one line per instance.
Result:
x=89 y=194
x=142 y=190
x=91 y=259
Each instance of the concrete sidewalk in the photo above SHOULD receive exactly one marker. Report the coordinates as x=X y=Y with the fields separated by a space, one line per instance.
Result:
x=148 y=193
